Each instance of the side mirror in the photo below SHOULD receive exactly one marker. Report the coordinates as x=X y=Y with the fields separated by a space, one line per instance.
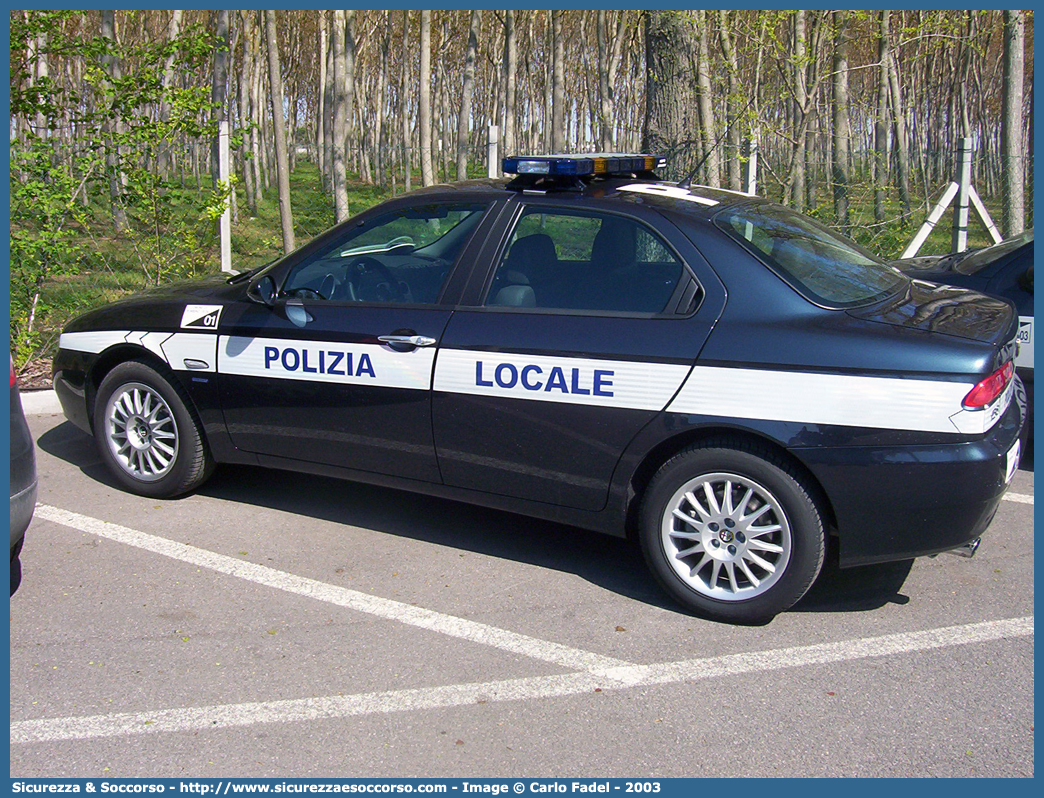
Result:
x=263 y=291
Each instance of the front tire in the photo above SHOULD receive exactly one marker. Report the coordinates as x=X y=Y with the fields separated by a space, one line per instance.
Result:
x=147 y=433
x=732 y=532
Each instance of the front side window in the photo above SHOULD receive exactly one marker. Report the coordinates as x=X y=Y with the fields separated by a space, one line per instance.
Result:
x=573 y=260
x=822 y=264
x=401 y=256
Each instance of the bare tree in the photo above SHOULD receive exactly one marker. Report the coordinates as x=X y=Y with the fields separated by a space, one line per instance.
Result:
x=841 y=135
x=668 y=90
x=1011 y=123
x=219 y=85
x=275 y=77
x=404 y=83
x=340 y=117
x=557 y=84
x=705 y=101
x=173 y=31
x=510 y=82
x=427 y=173
x=728 y=50
x=111 y=65
x=467 y=90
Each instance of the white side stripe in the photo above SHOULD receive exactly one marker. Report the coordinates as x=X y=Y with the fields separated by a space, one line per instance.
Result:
x=92 y=342
x=173 y=348
x=573 y=380
x=322 y=361
x=841 y=399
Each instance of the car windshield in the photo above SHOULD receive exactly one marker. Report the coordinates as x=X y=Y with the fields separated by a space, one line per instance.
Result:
x=820 y=263
x=979 y=260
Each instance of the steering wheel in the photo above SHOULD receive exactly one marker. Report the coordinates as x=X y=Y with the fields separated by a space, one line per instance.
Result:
x=304 y=292
x=384 y=285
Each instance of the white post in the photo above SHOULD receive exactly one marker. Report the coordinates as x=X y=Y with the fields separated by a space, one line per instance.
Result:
x=984 y=215
x=933 y=219
x=492 y=161
x=959 y=240
x=226 y=214
x=750 y=167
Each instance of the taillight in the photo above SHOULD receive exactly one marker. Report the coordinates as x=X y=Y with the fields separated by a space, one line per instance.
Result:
x=990 y=388
x=13 y=380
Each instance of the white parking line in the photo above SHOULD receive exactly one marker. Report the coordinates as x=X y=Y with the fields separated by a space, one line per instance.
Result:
x=1021 y=498
x=689 y=671
x=567 y=657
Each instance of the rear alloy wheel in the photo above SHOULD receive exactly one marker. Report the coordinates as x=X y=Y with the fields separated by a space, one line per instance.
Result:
x=732 y=533
x=147 y=433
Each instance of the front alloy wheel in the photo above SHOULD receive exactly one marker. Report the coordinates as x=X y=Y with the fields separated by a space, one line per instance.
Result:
x=148 y=433
x=141 y=432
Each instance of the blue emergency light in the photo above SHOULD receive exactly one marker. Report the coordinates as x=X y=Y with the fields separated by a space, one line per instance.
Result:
x=582 y=165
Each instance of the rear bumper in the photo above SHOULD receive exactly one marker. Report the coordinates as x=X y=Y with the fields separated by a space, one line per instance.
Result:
x=896 y=503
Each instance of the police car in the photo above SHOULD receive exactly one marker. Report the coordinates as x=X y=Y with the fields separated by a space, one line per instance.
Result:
x=724 y=378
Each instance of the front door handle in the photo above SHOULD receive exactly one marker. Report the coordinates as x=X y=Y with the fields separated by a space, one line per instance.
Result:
x=407 y=340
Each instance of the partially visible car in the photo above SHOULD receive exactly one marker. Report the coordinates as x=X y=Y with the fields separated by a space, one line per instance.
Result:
x=23 y=470
x=1004 y=270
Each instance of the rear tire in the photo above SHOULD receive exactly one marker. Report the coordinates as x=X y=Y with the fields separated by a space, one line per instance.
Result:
x=148 y=434
x=732 y=532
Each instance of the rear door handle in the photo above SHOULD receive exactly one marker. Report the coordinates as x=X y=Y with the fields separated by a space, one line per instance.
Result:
x=407 y=340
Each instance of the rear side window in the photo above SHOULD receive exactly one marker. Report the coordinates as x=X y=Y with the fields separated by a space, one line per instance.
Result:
x=574 y=260
x=819 y=262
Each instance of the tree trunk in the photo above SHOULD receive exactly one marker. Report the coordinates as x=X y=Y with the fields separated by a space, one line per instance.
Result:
x=510 y=147
x=404 y=107
x=427 y=174
x=881 y=122
x=558 y=138
x=257 y=117
x=1014 y=181
x=275 y=78
x=706 y=105
x=667 y=50
x=111 y=66
x=379 y=132
x=728 y=50
x=797 y=197
x=841 y=134
x=320 y=125
x=467 y=90
x=173 y=31
x=605 y=108
x=902 y=147
x=340 y=116
x=219 y=87
x=246 y=68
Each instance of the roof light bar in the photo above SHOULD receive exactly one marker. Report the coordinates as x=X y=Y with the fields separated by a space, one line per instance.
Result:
x=582 y=165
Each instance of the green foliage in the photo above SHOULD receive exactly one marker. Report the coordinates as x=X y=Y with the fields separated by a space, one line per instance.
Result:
x=169 y=231
x=44 y=242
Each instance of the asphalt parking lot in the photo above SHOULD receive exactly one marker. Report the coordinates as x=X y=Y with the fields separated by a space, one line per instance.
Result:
x=284 y=625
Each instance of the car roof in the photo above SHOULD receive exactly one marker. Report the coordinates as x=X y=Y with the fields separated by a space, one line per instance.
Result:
x=700 y=201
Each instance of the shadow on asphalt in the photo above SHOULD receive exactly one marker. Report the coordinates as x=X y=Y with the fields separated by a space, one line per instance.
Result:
x=612 y=563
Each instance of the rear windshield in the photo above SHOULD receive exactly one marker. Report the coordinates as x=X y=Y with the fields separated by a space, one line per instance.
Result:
x=820 y=263
x=982 y=258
